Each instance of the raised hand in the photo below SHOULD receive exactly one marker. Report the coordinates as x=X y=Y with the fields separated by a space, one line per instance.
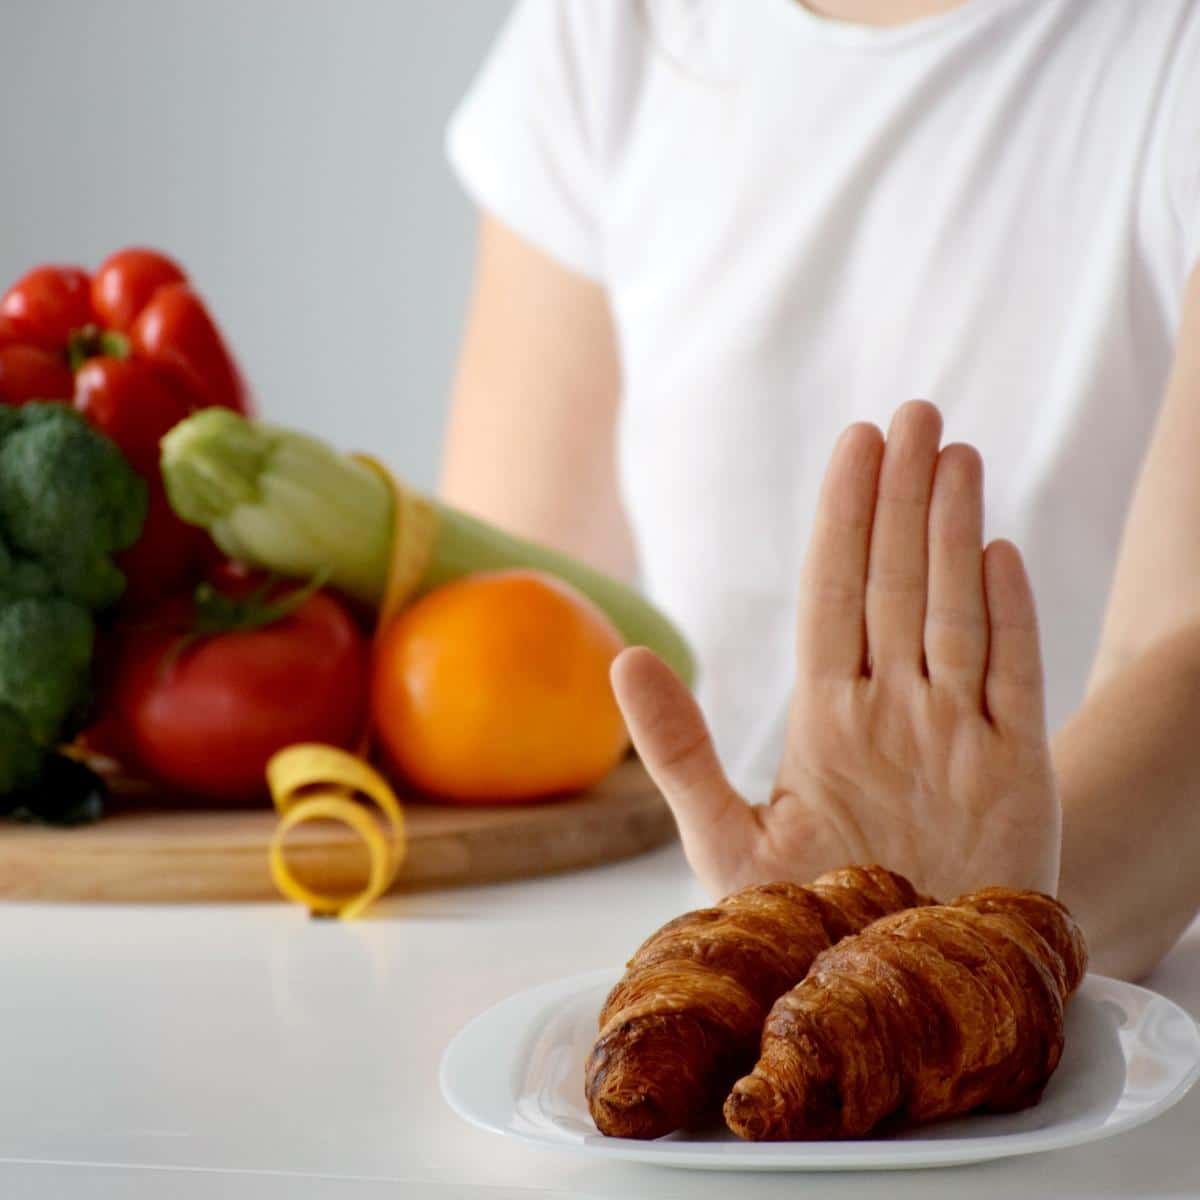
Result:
x=916 y=735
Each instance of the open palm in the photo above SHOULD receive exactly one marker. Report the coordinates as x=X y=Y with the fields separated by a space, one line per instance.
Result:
x=916 y=736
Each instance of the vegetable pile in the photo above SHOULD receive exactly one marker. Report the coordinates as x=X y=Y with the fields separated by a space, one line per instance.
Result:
x=212 y=595
x=491 y=663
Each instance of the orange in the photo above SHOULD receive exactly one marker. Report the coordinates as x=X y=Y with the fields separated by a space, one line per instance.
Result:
x=494 y=689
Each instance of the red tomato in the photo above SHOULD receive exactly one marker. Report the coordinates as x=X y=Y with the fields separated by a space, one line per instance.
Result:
x=175 y=331
x=130 y=402
x=32 y=373
x=47 y=304
x=124 y=283
x=169 y=557
x=207 y=722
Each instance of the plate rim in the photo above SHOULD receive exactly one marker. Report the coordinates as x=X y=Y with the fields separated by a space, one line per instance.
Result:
x=839 y=1155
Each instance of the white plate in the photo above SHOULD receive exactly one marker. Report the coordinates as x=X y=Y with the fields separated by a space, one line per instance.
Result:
x=518 y=1070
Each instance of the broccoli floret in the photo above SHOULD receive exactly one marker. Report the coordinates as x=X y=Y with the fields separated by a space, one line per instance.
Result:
x=68 y=501
x=45 y=652
x=21 y=578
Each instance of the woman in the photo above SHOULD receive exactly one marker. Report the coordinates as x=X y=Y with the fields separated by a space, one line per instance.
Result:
x=753 y=224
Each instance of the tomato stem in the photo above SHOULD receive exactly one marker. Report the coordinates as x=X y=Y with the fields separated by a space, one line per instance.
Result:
x=215 y=613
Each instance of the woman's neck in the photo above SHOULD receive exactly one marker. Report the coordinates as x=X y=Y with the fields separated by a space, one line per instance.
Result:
x=880 y=12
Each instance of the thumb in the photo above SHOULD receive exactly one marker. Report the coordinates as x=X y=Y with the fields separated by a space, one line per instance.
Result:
x=673 y=742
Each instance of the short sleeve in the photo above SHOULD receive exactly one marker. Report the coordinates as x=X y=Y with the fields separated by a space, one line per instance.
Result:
x=524 y=140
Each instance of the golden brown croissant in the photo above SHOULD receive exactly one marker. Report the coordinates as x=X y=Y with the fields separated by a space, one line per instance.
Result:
x=929 y=1013
x=685 y=1019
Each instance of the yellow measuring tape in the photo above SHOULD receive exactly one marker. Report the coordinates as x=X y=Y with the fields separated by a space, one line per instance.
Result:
x=313 y=782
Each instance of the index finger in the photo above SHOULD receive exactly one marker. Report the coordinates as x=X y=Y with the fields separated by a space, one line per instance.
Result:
x=831 y=638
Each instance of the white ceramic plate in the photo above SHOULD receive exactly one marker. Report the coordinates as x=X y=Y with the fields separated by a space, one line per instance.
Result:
x=518 y=1070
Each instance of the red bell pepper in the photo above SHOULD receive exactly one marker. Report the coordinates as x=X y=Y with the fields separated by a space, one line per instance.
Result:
x=137 y=305
x=135 y=349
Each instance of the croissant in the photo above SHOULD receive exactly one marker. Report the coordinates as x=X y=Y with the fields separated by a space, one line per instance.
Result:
x=929 y=1013
x=685 y=1019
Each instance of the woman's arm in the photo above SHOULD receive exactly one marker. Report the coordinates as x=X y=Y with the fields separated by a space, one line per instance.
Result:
x=1129 y=761
x=530 y=442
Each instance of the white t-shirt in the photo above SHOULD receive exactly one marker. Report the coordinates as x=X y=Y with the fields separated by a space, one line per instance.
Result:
x=802 y=223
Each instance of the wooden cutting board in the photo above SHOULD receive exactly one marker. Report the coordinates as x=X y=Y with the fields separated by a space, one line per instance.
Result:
x=153 y=854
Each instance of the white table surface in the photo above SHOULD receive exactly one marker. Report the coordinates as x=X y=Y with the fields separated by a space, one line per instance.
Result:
x=249 y=1052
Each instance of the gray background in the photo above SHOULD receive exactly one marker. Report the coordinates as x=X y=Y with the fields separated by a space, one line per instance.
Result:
x=289 y=154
